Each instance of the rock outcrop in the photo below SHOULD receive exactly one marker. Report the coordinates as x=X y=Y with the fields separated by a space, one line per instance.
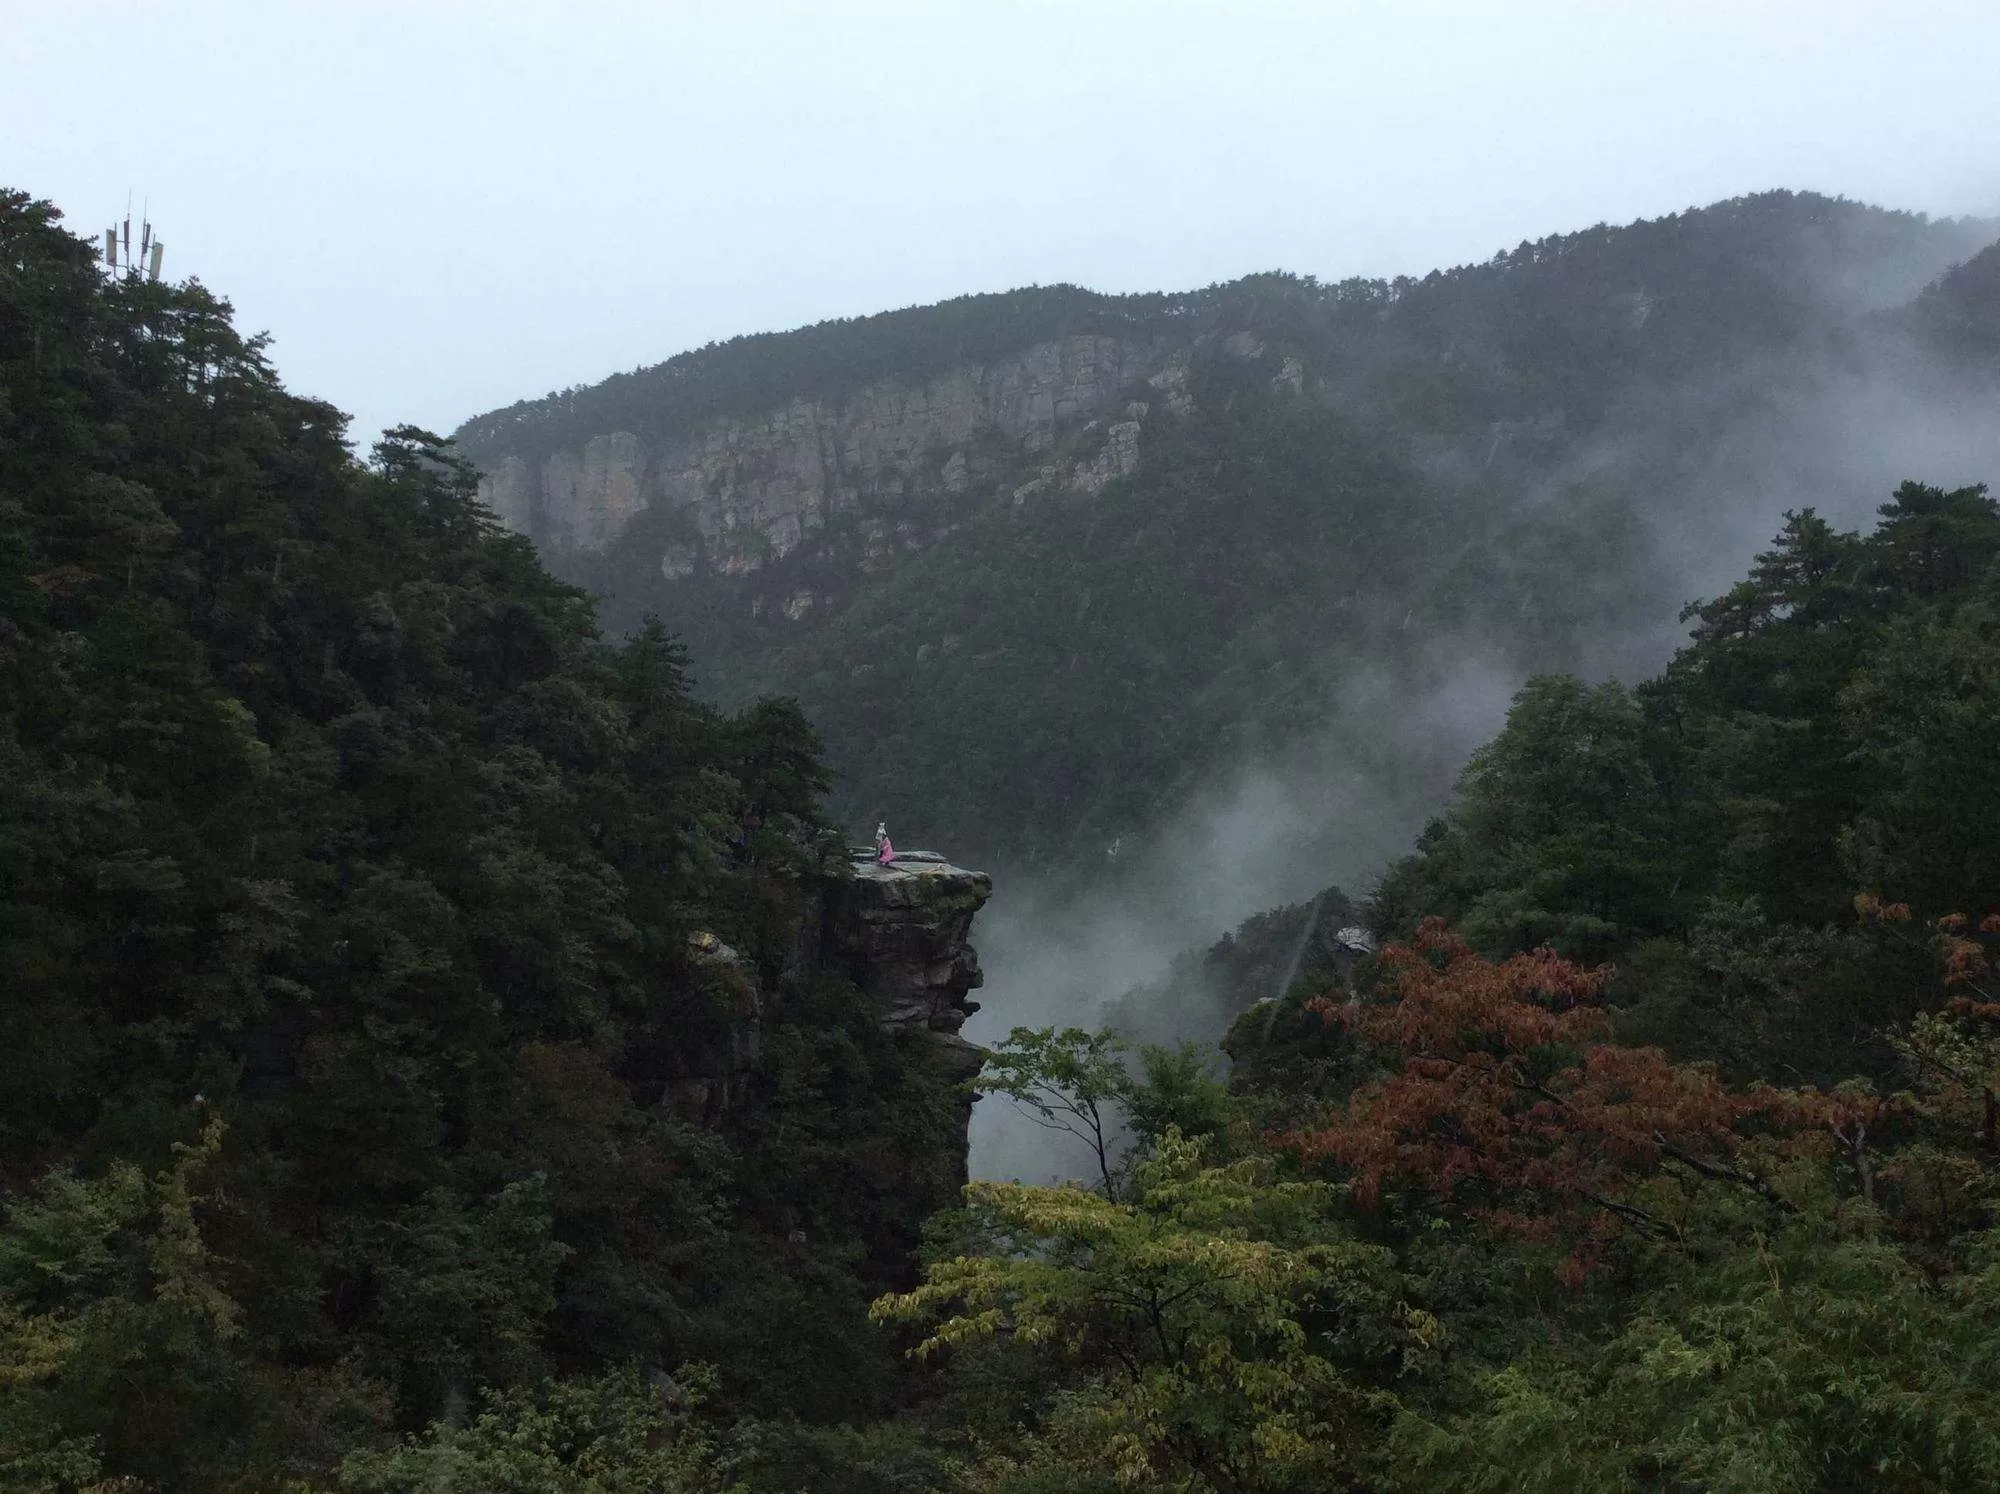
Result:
x=742 y=492
x=901 y=935
x=708 y=1073
x=842 y=485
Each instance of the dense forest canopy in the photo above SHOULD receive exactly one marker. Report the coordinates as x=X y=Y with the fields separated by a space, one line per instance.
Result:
x=349 y=886
x=1655 y=1148
x=363 y=911
x=1828 y=732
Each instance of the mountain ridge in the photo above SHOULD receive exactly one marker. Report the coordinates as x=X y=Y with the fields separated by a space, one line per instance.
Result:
x=1079 y=309
x=1086 y=515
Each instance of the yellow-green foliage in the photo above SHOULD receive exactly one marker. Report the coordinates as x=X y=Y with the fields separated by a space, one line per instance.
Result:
x=102 y=1279
x=1210 y=1318
x=609 y=1434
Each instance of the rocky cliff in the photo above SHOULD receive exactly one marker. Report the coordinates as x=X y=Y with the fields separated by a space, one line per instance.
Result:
x=873 y=471
x=901 y=934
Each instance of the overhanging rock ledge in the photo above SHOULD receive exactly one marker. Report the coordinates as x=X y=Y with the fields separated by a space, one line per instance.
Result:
x=901 y=932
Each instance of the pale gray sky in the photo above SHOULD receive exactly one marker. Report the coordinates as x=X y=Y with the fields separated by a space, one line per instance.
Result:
x=439 y=208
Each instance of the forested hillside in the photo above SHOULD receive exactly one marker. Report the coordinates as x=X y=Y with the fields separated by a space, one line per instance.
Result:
x=405 y=994
x=1041 y=566
x=1718 y=1211
x=1829 y=732
x=1656 y=1149
x=427 y=1065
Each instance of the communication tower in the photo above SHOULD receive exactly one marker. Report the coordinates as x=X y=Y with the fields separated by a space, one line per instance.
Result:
x=119 y=259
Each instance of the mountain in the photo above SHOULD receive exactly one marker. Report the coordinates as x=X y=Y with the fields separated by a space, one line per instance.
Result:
x=1960 y=314
x=408 y=994
x=1041 y=566
x=442 y=1052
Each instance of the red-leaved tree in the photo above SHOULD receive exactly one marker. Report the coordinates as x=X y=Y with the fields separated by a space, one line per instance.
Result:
x=1507 y=1097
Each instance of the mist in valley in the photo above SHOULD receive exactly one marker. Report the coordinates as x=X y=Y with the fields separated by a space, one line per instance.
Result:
x=1141 y=452
x=1336 y=808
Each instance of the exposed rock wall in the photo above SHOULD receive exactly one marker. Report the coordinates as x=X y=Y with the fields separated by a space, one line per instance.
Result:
x=589 y=498
x=902 y=935
x=746 y=491
x=708 y=1073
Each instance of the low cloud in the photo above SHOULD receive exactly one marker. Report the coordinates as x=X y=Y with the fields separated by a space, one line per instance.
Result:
x=1340 y=806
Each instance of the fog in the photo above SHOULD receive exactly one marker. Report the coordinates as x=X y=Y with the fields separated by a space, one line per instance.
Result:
x=441 y=207
x=1338 y=808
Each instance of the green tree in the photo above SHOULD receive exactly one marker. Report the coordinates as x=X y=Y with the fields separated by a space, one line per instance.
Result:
x=1559 y=833
x=1222 y=1335
x=1923 y=715
x=1799 y=1362
x=120 y=1347
x=613 y=1433
x=320 y=799
x=1177 y=1089
x=1066 y=1080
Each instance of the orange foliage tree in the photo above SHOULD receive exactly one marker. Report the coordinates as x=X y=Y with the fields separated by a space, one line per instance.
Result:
x=1508 y=1097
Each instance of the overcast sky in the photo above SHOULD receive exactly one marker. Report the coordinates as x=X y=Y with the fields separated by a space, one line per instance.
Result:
x=436 y=209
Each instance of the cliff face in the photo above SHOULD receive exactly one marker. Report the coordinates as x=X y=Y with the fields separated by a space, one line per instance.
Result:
x=881 y=464
x=901 y=934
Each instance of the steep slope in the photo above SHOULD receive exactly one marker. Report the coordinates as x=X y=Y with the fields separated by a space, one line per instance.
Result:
x=1960 y=314
x=406 y=993
x=1829 y=731
x=1041 y=565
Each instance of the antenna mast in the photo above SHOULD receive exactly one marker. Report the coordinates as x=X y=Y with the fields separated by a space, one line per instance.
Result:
x=119 y=260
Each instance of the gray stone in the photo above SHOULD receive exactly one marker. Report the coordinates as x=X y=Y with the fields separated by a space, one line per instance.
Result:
x=677 y=562
x=509 y=492
x=1118 y=457
x=1172 y=382
x=901 y=933
x=755 y=488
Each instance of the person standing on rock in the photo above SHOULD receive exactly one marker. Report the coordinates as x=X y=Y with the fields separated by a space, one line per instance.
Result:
x=885 y=854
